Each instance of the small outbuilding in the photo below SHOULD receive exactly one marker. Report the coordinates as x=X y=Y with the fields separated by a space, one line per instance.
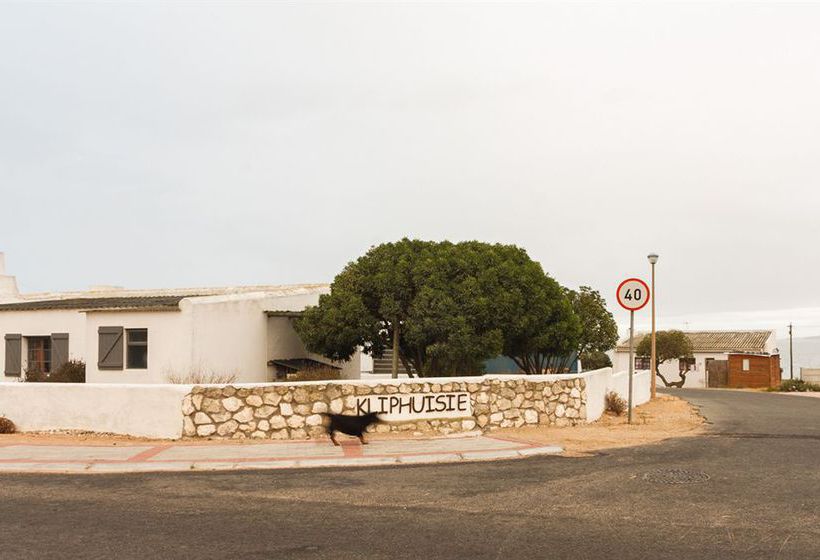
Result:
x=753 y=370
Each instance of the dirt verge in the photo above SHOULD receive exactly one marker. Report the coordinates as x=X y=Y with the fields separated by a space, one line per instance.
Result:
x=663 y=418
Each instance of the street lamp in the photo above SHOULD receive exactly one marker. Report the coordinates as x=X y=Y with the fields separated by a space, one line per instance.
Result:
x=653 y=258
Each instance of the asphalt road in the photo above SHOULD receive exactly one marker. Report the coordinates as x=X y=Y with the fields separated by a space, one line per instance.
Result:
x=761 y=500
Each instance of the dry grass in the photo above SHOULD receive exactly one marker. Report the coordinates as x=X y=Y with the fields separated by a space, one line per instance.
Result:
x=615 y=404
x=201 y=378
x=316 y=374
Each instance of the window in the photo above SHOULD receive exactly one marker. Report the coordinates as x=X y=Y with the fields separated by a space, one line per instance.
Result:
x=686 y=364
x=39 y=354
x=745 y=364
x=136 y=353
x=642 y=362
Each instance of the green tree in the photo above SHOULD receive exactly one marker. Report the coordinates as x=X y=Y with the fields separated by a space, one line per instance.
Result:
x=669 y=345
x=369 y=302
x=446 y=307
x=595 y=360
x=539 y=327
x=599 y=332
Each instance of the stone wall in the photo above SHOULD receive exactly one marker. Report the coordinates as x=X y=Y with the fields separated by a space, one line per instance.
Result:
x=294 y=410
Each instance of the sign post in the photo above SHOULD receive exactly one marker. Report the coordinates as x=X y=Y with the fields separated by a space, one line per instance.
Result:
x=633 y=295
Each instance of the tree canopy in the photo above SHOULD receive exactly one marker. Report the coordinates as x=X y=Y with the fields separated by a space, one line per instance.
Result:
x=669 y=345
x=596 y=360
x=599 y=332
x=447 y=306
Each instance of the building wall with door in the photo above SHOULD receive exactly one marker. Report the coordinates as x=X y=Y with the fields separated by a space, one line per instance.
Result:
x=753 y=370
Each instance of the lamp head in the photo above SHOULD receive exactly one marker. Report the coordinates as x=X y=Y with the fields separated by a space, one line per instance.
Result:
x=653 y=258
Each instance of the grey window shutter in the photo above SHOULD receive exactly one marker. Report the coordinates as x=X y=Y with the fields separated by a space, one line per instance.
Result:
x=14 y=354
x=59 y=350
x=110 y=348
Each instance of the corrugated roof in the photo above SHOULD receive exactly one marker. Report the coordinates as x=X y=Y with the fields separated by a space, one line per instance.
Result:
x=98 y=303
x=148 y=300
x=716 y=341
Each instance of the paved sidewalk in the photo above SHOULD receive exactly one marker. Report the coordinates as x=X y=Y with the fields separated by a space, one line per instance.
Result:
x=123 y=457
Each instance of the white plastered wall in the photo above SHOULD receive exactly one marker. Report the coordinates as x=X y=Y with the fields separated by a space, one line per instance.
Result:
x=138 y=410
x=229 y=337
x=284 y=343
x=169 y=345
x=602 y=381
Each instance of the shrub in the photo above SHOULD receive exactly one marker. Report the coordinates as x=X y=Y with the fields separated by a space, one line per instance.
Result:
x=7 y=426
x=615 y=404
x=35 y=376
x=315 y=374
x=72 y=371
x=798 y=386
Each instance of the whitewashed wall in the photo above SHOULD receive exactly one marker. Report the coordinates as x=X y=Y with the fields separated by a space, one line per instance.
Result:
x=169 y=345
x=811 y=375
x=284 y=343
x=602 y=381
x=153 y=410
x=229 y=337
x=137 y=410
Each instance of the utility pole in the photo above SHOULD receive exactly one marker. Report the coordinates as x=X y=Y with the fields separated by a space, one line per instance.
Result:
x=791 y=354
x=653 y=258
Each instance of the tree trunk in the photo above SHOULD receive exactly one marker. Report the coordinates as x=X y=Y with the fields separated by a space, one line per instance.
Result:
x=667 y=383
x=395 y=349
x=408 y=367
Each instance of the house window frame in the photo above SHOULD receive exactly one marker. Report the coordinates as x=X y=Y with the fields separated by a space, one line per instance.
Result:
x=746 y=364
x=692 y=364
x=45 y=348
x=642 y=362
x=135 y=344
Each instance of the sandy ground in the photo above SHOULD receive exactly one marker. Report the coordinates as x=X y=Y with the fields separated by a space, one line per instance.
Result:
x=663 y=418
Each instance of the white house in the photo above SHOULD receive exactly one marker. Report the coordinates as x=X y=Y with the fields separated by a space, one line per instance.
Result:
x=155 y=336
x=706 y=346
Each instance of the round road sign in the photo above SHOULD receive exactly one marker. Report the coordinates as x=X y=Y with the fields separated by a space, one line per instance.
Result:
x=633 y=294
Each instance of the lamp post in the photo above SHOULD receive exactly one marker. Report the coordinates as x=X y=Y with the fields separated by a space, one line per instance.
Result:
x=653 y=258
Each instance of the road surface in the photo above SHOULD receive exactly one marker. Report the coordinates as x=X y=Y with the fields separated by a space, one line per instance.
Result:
x=761 y=500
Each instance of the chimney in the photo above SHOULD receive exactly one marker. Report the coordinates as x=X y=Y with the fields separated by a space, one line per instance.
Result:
x=8 y=284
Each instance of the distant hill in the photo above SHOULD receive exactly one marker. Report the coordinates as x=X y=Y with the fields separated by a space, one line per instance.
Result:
x=806 y=354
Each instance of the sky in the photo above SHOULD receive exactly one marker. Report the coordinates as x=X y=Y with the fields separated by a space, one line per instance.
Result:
x=205 y=144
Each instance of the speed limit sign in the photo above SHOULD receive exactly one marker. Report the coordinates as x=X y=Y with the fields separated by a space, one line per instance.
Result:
x=633 y=294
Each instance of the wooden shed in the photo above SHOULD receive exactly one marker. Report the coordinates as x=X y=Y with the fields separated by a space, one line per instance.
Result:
x=753 y=370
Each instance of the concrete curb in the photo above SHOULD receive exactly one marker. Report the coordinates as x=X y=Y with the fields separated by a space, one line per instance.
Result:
x=330 y=462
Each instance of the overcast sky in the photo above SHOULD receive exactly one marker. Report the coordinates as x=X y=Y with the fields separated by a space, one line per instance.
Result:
x=189 y=144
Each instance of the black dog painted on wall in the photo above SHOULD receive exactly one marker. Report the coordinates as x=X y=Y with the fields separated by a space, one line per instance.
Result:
x=350 y=425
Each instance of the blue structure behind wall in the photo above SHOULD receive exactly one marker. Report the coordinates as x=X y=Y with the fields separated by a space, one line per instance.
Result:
x=497 y=365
